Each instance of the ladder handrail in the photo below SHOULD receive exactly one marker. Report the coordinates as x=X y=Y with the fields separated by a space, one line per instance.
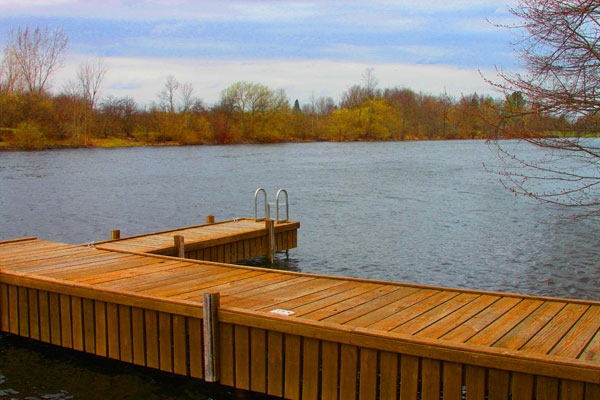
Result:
x=287 y=207
x=266 y=215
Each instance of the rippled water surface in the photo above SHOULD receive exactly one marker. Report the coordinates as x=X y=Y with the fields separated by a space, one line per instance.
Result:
x=419 y=212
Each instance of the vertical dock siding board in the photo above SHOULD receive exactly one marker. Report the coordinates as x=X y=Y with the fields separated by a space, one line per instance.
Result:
x=293 y=335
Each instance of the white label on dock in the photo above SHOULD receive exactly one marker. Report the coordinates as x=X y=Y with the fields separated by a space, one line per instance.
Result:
x=282 y=312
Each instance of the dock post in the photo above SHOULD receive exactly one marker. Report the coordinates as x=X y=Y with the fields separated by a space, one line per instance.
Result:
x=270 y=225
x=115 y=234
x=210 y=219
x=179 y=245
x=210 y=306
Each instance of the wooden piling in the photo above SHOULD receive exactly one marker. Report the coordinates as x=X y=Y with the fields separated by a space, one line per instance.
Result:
x=211 y=302
x=210 y=219
x=270 y=225
x=179 y=245
x=115 y=234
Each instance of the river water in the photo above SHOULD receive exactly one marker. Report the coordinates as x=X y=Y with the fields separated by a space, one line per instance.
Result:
x=418 y=212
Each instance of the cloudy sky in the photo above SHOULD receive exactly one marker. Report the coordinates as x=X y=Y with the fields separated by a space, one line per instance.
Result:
x=309 y=48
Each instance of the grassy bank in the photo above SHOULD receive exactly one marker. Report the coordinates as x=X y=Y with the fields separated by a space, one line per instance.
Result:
x=108 y=143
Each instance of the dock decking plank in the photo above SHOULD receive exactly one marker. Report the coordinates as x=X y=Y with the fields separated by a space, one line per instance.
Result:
x=192 y=285
x=94 y=274
x=505 y=323
x=545 y=340
x=159 y=275
x=231 y=280
x=307 y=292
x=131 y=275
x=31 y=249
x=478 y=322
x=530 y=325
x=458 y=317
x=311 y=300
x=233 y=293
x=435 y=314
x=97 y=263
x=390 y=316
x=332 y=297
x=369 y=302
x=592 y=351
x=265 y=296
x=49 y=259
x=347 y=304
x=578 y=338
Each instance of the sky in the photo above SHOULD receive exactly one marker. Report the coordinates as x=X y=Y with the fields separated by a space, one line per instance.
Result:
x=308 y=48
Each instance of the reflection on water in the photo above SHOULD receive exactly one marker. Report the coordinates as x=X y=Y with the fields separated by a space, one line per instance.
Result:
x=418 y=212
x=281 y=262
x=31 y=370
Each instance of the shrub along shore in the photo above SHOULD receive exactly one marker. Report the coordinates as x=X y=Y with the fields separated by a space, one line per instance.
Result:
x=253 y=113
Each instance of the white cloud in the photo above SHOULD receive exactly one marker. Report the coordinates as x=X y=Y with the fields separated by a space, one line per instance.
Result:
x=247 y=10
x=305 y=47
x=33 y=3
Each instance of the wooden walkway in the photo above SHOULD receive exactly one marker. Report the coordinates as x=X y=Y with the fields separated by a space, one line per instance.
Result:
x=225 y=241
x=296 y=335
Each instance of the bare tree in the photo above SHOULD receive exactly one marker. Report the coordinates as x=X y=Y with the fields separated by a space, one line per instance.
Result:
x=36 y=54
x=357 y=94
x=83 y=93
x=11 y=80
x=178 y=97
x=187 y=97
x=90 y=77
x=353 y=97
x=118 y=116
x=87 y=84
x=370 y=83
x=251 y=98
x=324 y=105
x=167 y=95
x=558 y=42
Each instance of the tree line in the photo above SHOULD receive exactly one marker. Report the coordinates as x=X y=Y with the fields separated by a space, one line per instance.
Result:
x=31 y=117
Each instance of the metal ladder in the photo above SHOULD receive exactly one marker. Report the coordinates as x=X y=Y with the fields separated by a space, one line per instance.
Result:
x=267 y=214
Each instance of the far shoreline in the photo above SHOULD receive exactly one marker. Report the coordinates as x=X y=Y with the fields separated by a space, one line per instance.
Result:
x=113 y=143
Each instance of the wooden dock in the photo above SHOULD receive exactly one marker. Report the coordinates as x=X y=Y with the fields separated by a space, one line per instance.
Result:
x=225 y=241
x=295 y=335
